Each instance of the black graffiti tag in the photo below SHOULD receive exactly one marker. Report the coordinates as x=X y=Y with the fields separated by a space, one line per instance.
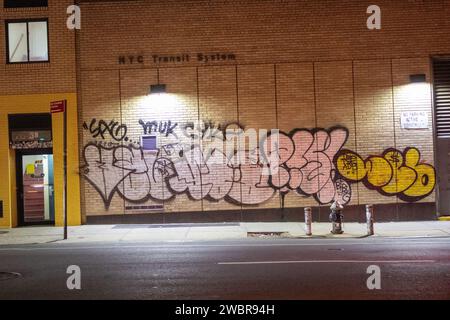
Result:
x=210 y=129
x=117 y=131
x=163 y=127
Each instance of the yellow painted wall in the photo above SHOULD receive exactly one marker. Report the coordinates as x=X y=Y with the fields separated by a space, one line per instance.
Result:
x=40 y=103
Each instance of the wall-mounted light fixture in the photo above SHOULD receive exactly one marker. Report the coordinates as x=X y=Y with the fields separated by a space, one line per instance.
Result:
x=157 y=88
x=417 y=78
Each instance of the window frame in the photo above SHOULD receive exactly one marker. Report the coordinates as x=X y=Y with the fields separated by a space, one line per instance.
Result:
x=26 y=21
x=23 y=6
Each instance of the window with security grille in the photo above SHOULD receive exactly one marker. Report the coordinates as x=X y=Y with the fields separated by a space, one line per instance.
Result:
x=149 y=143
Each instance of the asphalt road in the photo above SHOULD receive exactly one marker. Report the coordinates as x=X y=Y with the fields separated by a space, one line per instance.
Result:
x=252 y=269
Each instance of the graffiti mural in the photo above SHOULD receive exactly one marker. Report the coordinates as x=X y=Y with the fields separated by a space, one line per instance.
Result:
x=213 y=162
x=393 y=173
x=138 y=176
x=304 y=163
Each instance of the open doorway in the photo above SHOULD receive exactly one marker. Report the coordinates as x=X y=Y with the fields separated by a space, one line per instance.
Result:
x=35 y=187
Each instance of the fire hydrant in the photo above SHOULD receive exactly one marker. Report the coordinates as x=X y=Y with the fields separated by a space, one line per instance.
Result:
x=336 y=217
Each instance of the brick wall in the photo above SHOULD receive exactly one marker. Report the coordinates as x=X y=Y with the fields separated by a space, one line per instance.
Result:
x=54 y=77
x=299 y=64
x=29 y=88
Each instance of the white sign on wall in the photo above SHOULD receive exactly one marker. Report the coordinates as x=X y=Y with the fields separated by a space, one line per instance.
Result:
x=414 y=120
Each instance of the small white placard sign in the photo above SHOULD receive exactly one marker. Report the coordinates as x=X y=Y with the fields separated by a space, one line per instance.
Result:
x=414 y=120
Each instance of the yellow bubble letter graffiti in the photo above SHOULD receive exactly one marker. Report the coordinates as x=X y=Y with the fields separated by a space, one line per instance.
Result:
x=394 y=173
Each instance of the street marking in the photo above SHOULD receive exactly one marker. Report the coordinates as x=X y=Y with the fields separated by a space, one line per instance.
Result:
x=161 y=245
x=324 y=261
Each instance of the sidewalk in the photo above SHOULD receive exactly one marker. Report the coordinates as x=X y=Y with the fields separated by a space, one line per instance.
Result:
x=226 y=231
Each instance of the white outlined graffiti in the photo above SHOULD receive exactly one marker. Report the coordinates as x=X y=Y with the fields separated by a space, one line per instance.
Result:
x=214 y=163
x=215 y=169
x=305 y=163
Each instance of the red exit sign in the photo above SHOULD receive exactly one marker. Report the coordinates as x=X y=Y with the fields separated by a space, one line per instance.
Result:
x=58 y=106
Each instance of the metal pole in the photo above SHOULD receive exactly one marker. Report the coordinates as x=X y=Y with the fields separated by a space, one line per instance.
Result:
x=65 y=170
x=369 y=219
x=308 y=221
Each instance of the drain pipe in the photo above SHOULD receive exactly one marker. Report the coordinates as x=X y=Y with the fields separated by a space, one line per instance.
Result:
x=369 y=219
x=308 y=221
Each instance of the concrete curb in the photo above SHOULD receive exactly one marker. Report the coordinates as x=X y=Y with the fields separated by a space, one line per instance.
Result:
x=280 y=230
